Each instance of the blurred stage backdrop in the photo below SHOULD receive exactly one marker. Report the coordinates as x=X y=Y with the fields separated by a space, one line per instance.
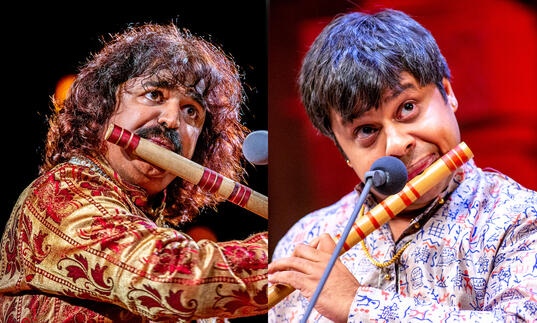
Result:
x=491 y=49
x=43 y=46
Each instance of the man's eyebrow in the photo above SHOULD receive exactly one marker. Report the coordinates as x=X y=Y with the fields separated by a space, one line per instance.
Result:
x=163 y=84
x=197 y=97
x=394 y=93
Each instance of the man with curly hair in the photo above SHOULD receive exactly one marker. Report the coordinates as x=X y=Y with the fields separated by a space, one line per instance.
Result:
x=94 y=237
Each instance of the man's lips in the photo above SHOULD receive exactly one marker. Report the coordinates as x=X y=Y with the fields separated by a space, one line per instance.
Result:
x=163 y=142
x=418 y=167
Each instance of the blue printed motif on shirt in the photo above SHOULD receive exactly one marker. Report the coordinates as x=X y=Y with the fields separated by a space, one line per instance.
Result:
x=474 y=259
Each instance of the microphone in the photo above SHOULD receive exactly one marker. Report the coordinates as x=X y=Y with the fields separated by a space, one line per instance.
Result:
x=388 y=175
x=255 y=147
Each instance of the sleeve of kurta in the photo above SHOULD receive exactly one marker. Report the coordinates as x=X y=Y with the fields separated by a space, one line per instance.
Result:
x=77 y=236
x=510 y=294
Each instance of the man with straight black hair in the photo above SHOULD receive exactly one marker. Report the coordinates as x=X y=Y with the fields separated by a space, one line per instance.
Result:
x=377 y=85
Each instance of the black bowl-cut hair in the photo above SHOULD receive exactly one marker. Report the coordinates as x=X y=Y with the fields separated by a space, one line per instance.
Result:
x=359 y=56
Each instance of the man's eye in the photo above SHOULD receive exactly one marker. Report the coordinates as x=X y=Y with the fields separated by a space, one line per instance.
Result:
x=190 y=111
x=407 y=110
x=155 y=95
x=364 y=132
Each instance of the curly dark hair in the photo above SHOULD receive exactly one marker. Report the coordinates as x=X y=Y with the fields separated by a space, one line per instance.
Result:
x=190 y=62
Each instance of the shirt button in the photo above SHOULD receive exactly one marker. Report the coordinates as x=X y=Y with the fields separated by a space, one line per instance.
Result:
x=387 y=277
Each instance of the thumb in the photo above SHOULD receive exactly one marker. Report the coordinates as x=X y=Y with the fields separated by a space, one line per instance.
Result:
x=325 y=243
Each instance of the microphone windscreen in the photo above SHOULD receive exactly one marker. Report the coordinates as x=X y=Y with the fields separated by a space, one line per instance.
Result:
x=255 y=147
x=396 y=175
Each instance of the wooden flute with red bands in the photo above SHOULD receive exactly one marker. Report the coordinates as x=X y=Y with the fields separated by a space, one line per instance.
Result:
x=391 y=206
x=188 y=170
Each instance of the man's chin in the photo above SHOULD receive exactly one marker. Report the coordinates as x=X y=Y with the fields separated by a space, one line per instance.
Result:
x=153 y=179
x=149 y=170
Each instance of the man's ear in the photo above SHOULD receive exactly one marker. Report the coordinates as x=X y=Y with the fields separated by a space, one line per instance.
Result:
x=347 y=160
x=452 y=100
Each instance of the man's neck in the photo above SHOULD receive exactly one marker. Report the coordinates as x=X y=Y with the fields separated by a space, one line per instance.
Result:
x=401 y=222
x=398 y=225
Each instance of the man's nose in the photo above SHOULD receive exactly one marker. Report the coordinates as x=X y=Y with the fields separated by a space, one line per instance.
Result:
x=399 y=141
x=170 y=115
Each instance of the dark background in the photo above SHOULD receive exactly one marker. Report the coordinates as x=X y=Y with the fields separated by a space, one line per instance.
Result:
x=41 y=45
x=491 y=49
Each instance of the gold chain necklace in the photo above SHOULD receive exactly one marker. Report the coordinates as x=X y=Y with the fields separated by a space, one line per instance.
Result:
x=387 y=263
x=397 y=254
x=383 y=264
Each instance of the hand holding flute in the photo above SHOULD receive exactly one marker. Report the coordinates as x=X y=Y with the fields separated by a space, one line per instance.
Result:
x=393 y=204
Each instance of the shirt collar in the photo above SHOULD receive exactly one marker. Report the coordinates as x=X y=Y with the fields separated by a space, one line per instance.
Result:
x=100 y=165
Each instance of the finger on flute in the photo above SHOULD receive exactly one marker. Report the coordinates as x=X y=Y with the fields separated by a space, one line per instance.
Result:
x=392 y=205
x=280 y=291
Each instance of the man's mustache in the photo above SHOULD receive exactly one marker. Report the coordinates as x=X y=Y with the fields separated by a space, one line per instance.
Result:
x=160 y=131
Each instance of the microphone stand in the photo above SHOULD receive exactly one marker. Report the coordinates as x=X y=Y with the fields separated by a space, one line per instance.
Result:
x=375 y=178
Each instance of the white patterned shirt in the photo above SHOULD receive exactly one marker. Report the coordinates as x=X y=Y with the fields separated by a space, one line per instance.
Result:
x=471 y=259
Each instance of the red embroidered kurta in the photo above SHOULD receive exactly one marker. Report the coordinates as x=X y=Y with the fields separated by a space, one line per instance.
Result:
x=78 y=248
